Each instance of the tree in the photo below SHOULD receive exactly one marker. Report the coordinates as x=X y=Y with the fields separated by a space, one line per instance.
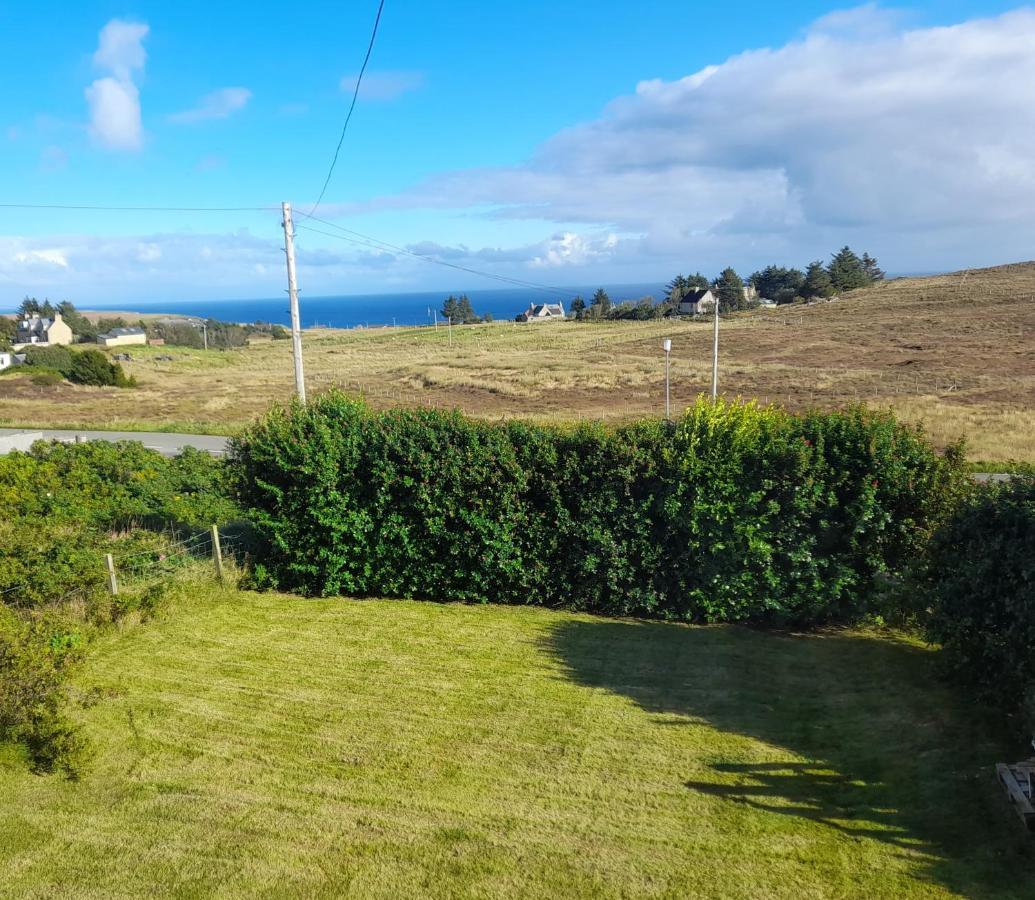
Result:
x=47 y=310
x=676 y=290
x=578 y=307
x=106 y=325
x=30 y=306
x=8 y=330
x=698 y=282
x=467 y=313
x=449 y=309
x=729 y=289
x=871 y=267
x=459 y=310
x=82 y=328
x=847 y=272
x=602 y=301
x=778 y=284
x=817 y=282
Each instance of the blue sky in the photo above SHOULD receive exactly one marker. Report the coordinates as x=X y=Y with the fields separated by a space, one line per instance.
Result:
x=557 y=143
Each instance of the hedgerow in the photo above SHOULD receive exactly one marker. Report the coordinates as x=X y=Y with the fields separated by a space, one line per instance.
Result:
x=978 y=583
x=734 y=513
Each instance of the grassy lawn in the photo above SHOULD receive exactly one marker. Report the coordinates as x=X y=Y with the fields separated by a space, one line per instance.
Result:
x=266 y=746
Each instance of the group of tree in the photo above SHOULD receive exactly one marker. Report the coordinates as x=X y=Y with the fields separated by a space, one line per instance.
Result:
x=600 y=306
x=846 y=271
x=459 y=311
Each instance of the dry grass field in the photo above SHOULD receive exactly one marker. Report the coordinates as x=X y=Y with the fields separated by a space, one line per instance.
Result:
x=956 y=352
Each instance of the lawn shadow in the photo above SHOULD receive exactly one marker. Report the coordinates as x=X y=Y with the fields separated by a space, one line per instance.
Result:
x=877 y=747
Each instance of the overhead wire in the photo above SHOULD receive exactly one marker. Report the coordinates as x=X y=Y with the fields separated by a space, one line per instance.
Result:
x=352 y=106
x=357 y=237
x=101 y=208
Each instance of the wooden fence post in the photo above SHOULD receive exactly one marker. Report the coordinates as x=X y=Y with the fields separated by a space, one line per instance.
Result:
x=113 y=584
x=217 y=552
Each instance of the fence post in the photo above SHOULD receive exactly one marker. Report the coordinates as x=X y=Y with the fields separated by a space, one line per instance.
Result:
x=113 y=584
x=217 y=552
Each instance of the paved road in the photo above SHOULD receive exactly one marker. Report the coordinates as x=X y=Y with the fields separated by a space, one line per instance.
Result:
x=166 y=444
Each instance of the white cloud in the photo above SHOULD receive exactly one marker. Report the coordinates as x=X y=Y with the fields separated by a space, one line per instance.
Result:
x=572 y=249
x=217 y=105
x=384 y=85
x=48 y=258
x=120 y=48
x=149 y=252
x=906 y=141
x=114 y=101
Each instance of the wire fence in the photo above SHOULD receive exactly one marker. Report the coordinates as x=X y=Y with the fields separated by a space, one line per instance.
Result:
x=139 y=570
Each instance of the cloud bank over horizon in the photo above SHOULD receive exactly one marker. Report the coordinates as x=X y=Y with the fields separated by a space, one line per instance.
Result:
x=913 y=144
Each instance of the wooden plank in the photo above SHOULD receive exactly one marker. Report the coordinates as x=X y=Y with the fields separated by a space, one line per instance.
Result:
x=1018 y=796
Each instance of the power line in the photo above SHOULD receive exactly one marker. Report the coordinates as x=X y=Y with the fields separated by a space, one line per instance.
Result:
x=377 y=244
x=352 y=106
x=356 y=237
x=190 y=209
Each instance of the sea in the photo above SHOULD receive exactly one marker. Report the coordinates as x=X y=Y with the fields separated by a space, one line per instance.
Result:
x=373 y=310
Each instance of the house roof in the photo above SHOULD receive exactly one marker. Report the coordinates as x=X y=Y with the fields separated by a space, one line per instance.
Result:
x=35 y=323
x=696 y=296
x=123 y=332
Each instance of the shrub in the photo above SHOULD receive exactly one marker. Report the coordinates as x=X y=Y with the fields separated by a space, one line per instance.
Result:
x=47 y=378
x=58 y=359
x=979 y=581
x=735 y=513
x=35 y=655
x=92 y=367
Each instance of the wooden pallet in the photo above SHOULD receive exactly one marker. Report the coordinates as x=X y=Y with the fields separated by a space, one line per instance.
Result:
x=1019 y=783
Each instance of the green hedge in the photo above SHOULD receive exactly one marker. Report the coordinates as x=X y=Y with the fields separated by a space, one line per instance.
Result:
x=979 y=583
x=734 y=513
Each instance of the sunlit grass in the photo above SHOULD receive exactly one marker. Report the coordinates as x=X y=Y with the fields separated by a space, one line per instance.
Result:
x=266 y=745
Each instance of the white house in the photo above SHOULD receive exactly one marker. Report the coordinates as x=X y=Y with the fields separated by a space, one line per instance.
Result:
x=697 y=302
x=47 y=332
x=5 y=361
x=119 y=337
x=539 y=312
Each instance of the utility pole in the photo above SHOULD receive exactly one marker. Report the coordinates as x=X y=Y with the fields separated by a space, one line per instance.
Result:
x=204 y=333
x=667 y=347
x=296 y=328
x=450 y=331
x=715 y=355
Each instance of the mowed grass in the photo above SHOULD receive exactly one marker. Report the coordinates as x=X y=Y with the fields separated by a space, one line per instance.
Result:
x=267 y=746
x=956 y=352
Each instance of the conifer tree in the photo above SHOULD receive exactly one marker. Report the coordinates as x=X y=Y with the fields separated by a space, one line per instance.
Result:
x=729 y=290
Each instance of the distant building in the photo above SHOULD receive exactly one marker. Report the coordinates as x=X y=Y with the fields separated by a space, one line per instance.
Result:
x=120 y=337
x=540 y=312
x=46 y=332
x=697 y=302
